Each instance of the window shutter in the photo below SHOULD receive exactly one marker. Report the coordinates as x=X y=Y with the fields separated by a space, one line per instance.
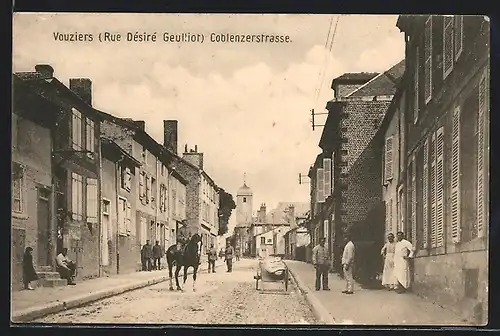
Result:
x=416 y=86
x=428 y=60
x=148 y=189
x=459 y=35
x=414 y=201
x=141 y=185
x=128 y=224
x=333 y=172
x=455 y=178
x=448 y=50
x=128 y=174
x=439 y=187
x=320 y=185
x=425 y=195
x=433 y=190
x=122 y=214
x=388 y=159
x=480 y=157
x=327 y=167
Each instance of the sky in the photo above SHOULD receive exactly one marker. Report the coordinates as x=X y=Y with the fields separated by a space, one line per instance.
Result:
x=246 y=106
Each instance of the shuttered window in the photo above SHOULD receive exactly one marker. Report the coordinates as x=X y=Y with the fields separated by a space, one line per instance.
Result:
x=459 y=35
x=416 y=86
x=428 y=60
x=455 y=216
x=141 y=185
x=327 y=167
x=433 y=190
x=481 y=123
x=333 y=171
x=91 y=200
x=320 y=185
x=425 y=195
x=414 y=201
x=122 y=216
x=448 y=50
x=388 y=171
x=439 y=187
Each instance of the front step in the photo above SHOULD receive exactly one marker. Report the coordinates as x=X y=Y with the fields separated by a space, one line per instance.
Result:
x=48 y=275
x=44 y=269
x=52 y=282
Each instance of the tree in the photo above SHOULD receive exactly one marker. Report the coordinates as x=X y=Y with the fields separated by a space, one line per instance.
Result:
x=226 y=207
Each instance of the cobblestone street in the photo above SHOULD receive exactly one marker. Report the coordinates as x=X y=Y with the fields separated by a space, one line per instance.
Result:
x=220 y=298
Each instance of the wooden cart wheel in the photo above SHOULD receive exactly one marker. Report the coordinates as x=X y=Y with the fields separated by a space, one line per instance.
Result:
x=286 y=280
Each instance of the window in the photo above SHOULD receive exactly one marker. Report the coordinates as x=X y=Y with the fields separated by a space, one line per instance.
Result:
x=416 y=94
x=141 y=186
x=126 y=178
x=91 y=200
x=333 y=171
x=413 y=214
x=388 y=169
x=437 y=195
x=144 y=155
x=153 y=192
x=320 y=185
x=455 y=178
x=17 y=188
x=481 y=173
x=106 y=207
x=77 y=196
x=124 y=216
x=244 y=199
x=90 y=138
x=269 y=240
x=428 y=60
x=148 y=189
x=448 y=50
x=76 y=130
x=458 y=22
x=263 y=240
x=327 y=167
x=425 y=195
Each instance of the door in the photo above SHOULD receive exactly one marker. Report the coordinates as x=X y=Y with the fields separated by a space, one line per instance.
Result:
x=43 y=219
x=105 y=238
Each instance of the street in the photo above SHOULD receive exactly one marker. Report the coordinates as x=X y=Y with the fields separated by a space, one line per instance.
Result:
x=220 y=298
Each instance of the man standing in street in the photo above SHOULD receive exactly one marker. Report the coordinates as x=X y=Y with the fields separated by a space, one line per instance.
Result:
x=320 y=262
x=237 y=253
x=347 y=263
x=147 y=255
x=157 y=255
x=403 y=253
x=212 y=257
x=229 y=253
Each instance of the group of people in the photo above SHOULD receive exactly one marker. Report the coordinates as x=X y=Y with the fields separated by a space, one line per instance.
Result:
x=151 y=256
x=64 y=266
x=228 y=254
x=396 y=271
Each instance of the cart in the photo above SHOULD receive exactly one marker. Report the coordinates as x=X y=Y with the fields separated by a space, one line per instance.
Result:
x=279 y=274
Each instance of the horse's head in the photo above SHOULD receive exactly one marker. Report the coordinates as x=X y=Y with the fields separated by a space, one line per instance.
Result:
x=196 y=243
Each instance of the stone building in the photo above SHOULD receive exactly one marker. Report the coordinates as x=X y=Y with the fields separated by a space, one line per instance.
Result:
x=446 y=157
x=244 y=217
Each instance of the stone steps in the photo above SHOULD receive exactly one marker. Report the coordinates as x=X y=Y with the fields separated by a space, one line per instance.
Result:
x=52 y=282
x=48 y=278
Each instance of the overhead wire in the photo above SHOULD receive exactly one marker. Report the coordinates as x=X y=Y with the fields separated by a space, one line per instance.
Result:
x=318 y=81
x=326 y=57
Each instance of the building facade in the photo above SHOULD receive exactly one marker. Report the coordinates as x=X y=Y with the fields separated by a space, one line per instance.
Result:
x=244 y=219
x=447 y=157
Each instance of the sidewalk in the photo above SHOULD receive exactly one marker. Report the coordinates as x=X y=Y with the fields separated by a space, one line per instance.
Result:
x=367 y=306
x=30 y=305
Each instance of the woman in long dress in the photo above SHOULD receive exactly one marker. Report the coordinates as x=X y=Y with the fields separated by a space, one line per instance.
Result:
x=29 y=273
x=388 y=278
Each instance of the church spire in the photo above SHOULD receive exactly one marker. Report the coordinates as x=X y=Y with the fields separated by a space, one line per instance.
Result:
x=245 y=178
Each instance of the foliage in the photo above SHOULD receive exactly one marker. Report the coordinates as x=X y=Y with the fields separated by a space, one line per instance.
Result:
x=226 y=207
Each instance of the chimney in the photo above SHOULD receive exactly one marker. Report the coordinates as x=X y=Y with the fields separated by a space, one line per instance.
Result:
x=170 y=135
x=45 y=70
x=194 y=157
x=83 y=88
x=141 y=124
x=291 y=215
x=262 y=213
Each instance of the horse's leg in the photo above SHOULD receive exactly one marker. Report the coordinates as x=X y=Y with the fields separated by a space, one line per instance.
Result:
x=185 y=275
x=170 y=275
x=195 y=270
x=177 y=269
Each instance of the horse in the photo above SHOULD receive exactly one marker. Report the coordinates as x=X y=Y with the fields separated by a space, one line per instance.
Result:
x=184 y=256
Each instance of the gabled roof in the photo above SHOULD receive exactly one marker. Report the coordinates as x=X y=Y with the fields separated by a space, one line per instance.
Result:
x=353 y=77
x=383 y=84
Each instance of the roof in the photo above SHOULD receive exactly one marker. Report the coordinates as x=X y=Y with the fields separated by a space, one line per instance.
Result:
x=383 y=84
x=111 y=148
x=244 y=191
x=354 y=77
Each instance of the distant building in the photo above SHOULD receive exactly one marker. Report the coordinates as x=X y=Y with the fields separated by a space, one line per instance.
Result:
x=244 y=208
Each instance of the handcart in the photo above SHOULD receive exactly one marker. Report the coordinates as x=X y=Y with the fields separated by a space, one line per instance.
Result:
x=272 y=270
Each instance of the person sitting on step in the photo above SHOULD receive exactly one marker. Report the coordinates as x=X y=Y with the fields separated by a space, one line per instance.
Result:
x=65 y=266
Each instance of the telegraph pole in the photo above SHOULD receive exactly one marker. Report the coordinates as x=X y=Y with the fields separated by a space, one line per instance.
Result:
x=313 y=114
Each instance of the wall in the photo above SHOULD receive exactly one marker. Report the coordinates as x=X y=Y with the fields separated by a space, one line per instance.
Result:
x=31 y=147
x=244 y=209
x=192 y=175
x=109 y=194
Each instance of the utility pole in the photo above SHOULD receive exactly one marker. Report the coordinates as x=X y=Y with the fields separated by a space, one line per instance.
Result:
x=301 y=177
x=313 y=121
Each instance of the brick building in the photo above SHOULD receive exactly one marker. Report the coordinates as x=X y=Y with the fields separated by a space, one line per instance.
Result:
x=202 y=193
x=345 y=177
x=446 y=157
x=71 y=198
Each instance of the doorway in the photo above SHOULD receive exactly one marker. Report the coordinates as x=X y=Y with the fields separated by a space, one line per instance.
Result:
x=44 y=226
x=105 y=233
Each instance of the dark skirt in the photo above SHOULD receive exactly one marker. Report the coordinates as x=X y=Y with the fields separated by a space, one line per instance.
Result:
x=29 y=273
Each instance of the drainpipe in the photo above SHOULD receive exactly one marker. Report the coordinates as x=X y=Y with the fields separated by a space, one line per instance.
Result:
x=117 y=244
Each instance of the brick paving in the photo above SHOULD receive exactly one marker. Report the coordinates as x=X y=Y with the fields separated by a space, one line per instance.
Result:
x=24 y=299
x=373 y=307
x=220 y=298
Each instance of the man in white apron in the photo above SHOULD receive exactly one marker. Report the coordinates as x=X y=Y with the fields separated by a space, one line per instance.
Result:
x=388 y=278
x=403 y=252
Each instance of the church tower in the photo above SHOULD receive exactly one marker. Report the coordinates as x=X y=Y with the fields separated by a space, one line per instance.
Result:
x=244 y=205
